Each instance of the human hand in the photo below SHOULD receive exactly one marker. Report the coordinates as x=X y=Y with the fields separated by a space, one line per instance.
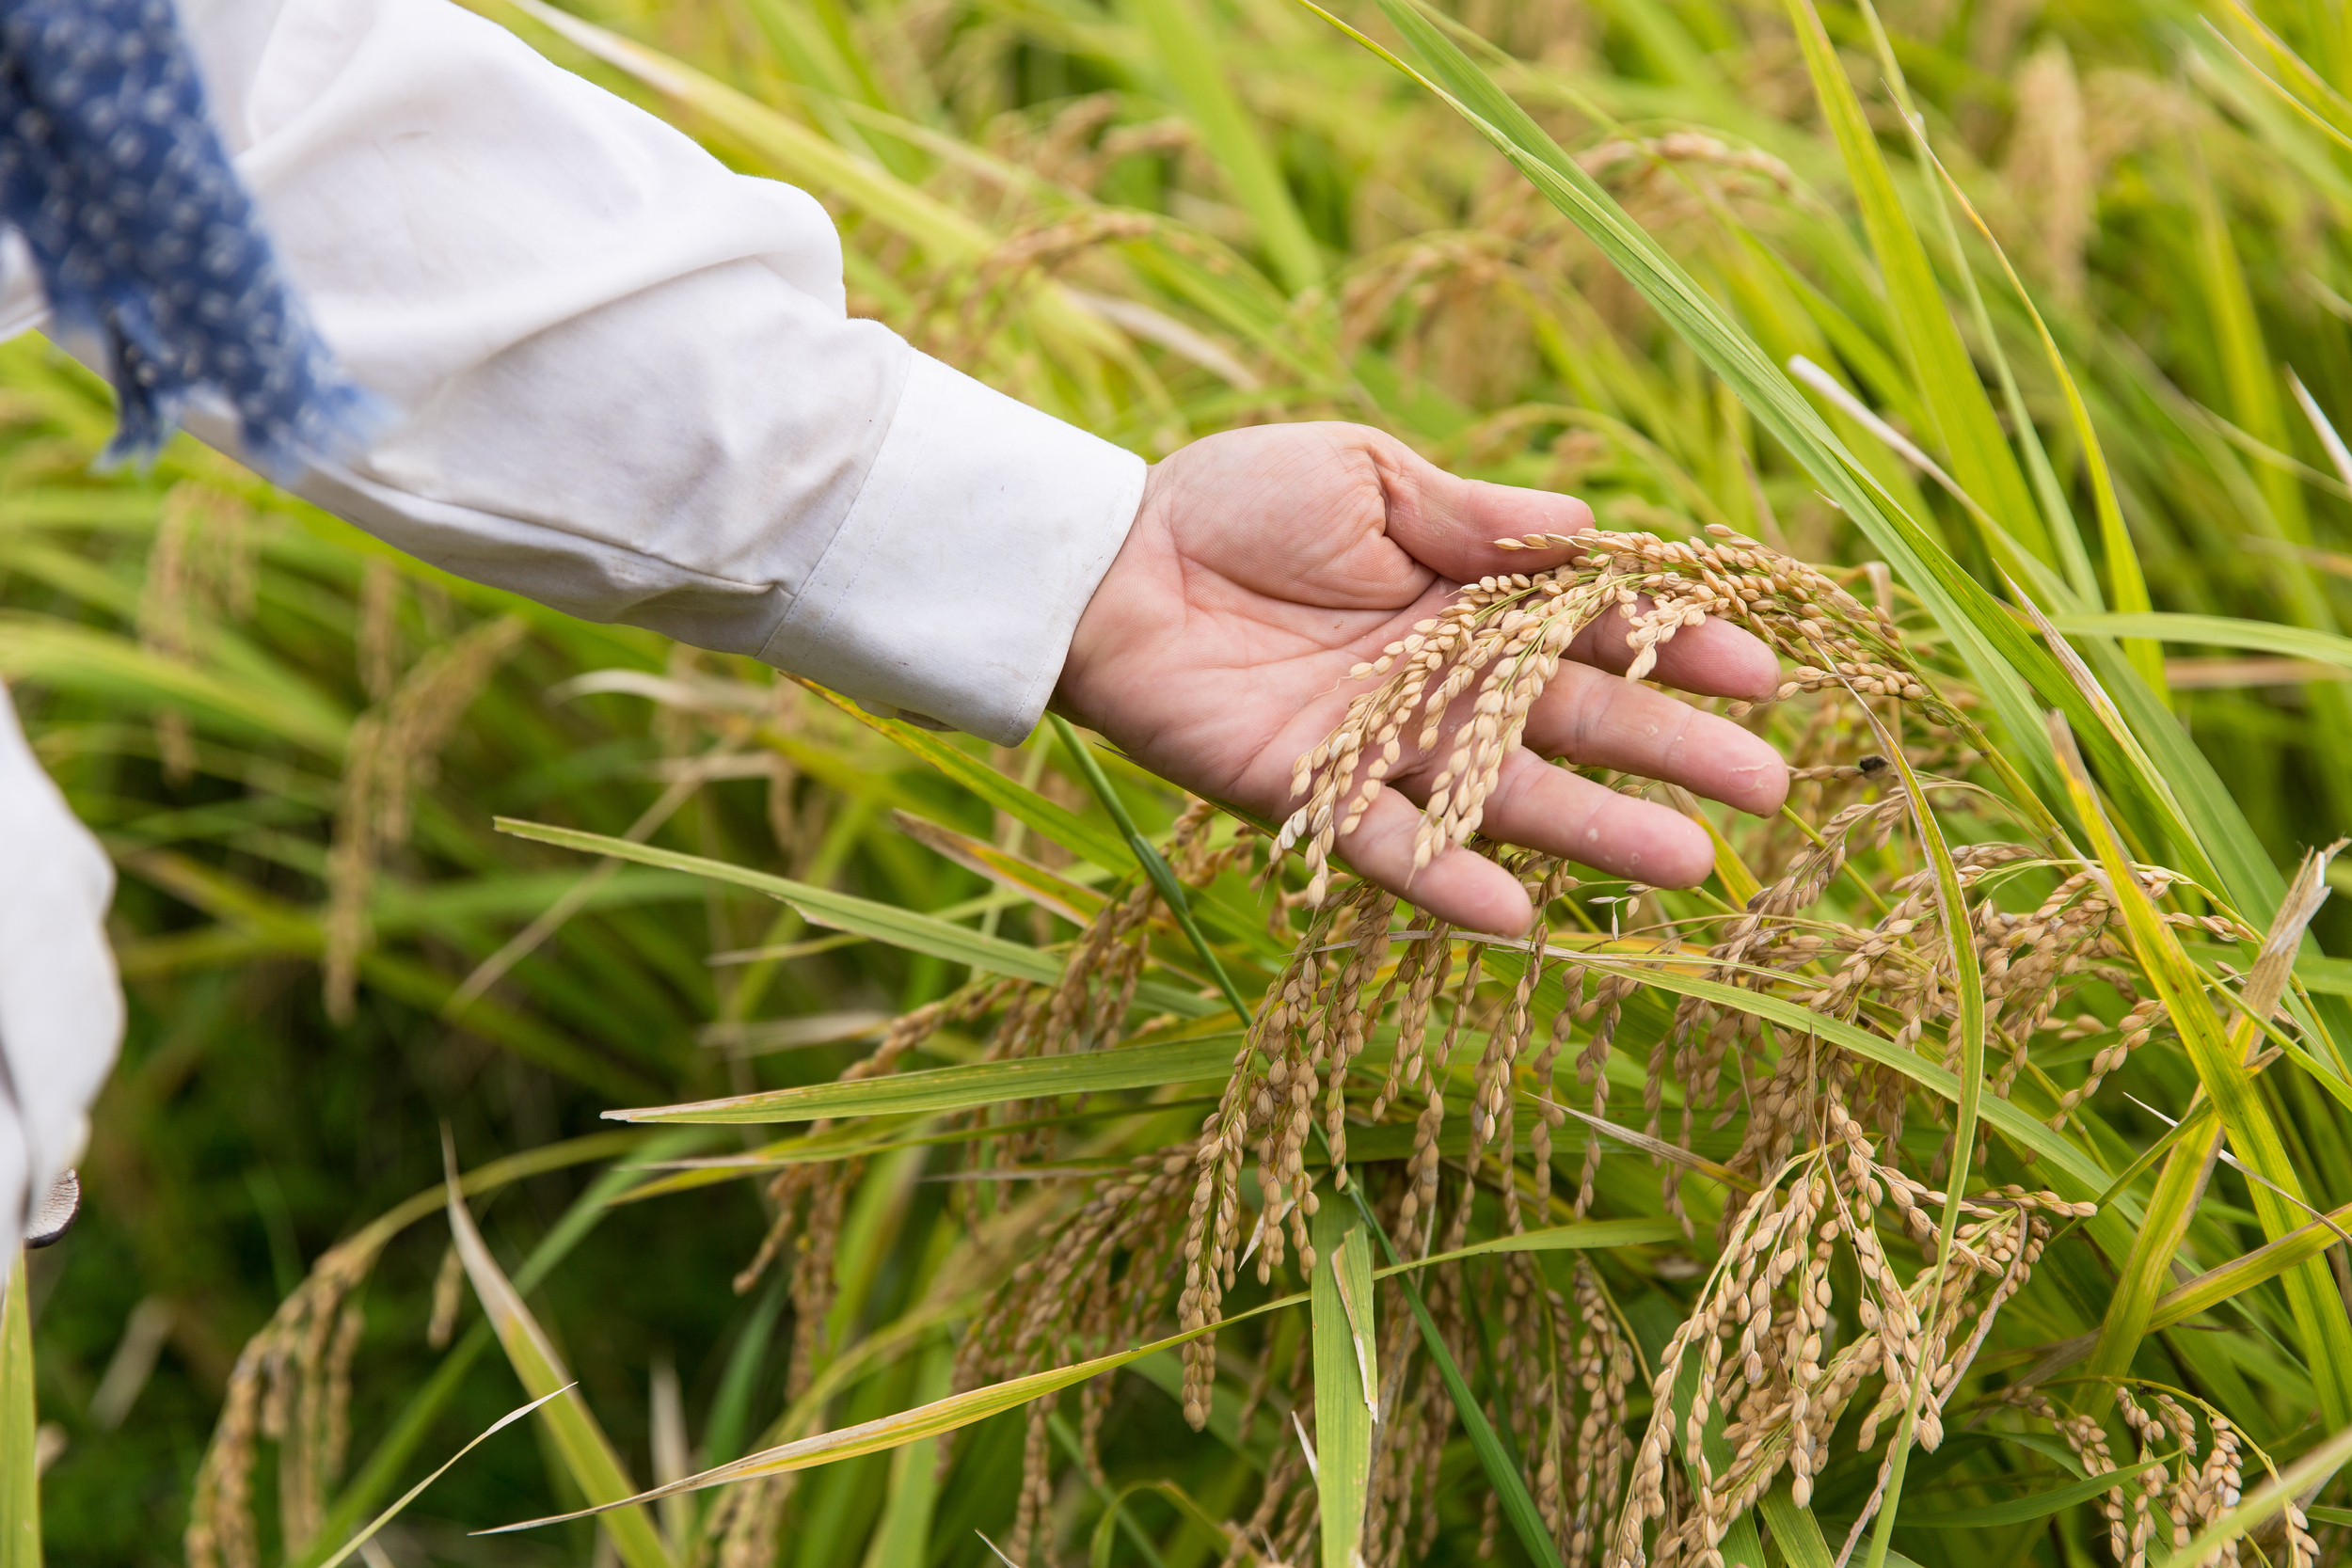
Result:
x=1266 y=564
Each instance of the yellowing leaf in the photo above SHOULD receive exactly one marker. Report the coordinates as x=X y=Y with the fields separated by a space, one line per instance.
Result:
x=588 y=1454
x=20 y=1477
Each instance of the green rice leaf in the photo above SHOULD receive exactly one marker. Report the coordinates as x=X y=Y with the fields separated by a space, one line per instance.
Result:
x=1502 y=1474
x=2218 y=631
x=2221 y=1069
x=68 y=656
x=343 y=1554
x=908 y=1426
x=2040 y=1505
x=20 y=1478
x=2063 y=1157
x=932 y=1090
x=1794 y=1529
x=1182 y=47
x=2128 y=588
x=1200 y=1519
x=2240 y=1275
x=1015 y=799
x=1347 y=1379
x=1981 y=457
x=865 y=917
x=1960 y=943
x=588 y=1454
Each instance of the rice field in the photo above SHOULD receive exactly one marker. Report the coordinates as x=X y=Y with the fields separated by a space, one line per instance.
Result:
x=1023 y=1162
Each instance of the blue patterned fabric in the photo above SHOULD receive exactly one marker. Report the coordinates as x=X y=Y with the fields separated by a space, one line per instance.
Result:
x=147 y=242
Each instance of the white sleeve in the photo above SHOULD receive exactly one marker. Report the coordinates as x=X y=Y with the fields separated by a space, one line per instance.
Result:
x=60 y=1006
x=629 y=385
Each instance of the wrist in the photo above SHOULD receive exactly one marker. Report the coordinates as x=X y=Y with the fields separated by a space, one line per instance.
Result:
x=1111 y=620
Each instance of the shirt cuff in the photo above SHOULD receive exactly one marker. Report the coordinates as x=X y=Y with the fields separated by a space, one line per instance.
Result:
x=954 y=585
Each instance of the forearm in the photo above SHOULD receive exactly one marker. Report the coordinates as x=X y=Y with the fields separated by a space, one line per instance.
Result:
x=628 y=383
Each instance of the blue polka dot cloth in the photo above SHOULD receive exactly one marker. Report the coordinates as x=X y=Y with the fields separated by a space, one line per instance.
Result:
x=148 y=245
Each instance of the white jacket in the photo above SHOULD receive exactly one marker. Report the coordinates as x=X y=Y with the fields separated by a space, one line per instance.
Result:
x=629 y=389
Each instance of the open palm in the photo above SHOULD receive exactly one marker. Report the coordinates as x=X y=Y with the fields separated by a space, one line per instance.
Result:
x=1265 y=564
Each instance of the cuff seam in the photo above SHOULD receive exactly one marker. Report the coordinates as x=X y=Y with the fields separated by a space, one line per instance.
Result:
x=883 y=506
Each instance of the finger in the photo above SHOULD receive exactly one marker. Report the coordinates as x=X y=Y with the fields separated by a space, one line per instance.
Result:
x=1456 y=886
x=1555 y=812
x=1713 y=657
x=1450 y=524
x=1603 y=721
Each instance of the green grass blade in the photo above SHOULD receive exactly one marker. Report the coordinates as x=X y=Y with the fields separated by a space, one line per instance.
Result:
x=799 y=154
x=2248 y=373
x=1795 y=1532
x=66 y=657
x=904 y=1539
x=813 y=58
x=2218 y=631
x=2136 y=1305
x=2210 y=822
x=886 y=1433
x=1114 y=1514
x=1978 y=453
x=802 y=155
x=865 y=917
x=2127 y=587
x=1347 y=1379
x=2058 y=514
x=1154 y=865
x=588 y=1454
x=409 y=1429
x=1968 y=988
x=20 y=1477
x=738 y=1383
x=932 y=1090
x=2318 y=1309
x=2240 y=1275
x=344 y=1552
x=1073 y=902
x=2180 y=1182
x=2186 y=1168
x=1518 y=1504
x=294 y=929
x=1010 y=795
x=1582 y=1236
x=1182 y=47
x=2018 y=1511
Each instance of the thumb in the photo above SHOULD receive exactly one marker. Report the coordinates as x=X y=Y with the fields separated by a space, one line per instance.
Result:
x=1450 y=524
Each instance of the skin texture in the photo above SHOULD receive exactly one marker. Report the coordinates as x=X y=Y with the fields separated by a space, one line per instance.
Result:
x=1265 y=564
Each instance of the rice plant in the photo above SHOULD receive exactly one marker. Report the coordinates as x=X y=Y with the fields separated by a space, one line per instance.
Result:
x=1953 y=1177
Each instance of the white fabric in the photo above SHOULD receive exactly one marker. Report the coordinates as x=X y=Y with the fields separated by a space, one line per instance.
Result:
x=60 y=1009
x=629 y=389
x=630 y=386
